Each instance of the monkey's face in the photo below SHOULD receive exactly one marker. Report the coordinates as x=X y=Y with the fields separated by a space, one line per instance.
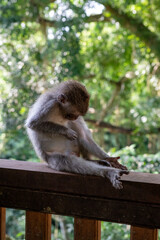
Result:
x=71 y=116
x=70 y=112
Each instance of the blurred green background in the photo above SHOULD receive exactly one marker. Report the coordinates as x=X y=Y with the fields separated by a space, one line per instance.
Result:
x=111 y=46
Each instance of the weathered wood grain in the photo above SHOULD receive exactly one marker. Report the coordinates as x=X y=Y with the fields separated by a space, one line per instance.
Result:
x=38 y=226
x=138 y=187
x=35 y=187
x=2 y=223
x=87 y=229
x=142 y=233
x=133 y=213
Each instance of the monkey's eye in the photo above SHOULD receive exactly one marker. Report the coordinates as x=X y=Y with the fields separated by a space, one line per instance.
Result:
x=71 y=116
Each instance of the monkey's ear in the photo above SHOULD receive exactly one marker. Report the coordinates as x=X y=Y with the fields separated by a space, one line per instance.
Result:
x=62 y=98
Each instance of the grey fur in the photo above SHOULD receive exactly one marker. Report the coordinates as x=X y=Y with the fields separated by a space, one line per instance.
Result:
x=59 y=141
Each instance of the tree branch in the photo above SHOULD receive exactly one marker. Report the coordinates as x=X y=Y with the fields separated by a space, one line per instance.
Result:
x=108 y=106
x=49 y=23
x=112 y=128
x=91 y=76
x=136 y=26
x=92 y=18
x=117 y=129
x=97 y=18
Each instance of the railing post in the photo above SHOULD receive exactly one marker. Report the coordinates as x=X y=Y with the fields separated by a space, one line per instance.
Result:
x=139 y=233
x=38 y=226
x=87 y=229
x=2 y=223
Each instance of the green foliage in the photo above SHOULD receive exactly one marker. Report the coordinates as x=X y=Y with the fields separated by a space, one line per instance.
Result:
x=140 y=163
x=15 y=224
x=114 y=231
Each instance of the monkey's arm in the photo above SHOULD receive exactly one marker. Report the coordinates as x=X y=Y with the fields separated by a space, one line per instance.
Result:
x=88 y=145
x=50 y=129
x=37 y=121
x=39 y=111
x=86 y=141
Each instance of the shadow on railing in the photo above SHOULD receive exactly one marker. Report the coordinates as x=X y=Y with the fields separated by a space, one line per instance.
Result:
x=41 y=192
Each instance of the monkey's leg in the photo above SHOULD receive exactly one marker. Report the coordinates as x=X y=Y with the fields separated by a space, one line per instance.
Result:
x=50 y=129
x=74 y=164
x=71 y=163
x=87 y=156
x=90 y=146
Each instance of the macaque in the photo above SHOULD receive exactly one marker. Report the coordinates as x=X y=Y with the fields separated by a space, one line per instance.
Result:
x=60 y=136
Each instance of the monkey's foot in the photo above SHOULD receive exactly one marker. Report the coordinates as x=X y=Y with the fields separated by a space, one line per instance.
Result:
x=114 y=176
x=114 y=163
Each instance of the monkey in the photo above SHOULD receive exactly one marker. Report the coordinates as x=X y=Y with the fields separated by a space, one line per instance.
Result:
x=60 y=136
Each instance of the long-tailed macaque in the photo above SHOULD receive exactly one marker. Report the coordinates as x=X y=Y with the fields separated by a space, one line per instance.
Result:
x=59 y=134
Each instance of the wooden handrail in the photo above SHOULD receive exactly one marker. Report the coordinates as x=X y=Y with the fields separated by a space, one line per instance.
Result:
x=36 y=187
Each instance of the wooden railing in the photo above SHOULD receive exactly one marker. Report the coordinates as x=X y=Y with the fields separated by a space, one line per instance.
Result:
x=41 y=192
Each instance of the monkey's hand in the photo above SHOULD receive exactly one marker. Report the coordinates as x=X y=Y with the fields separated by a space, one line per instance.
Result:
x=71 y=135
x=114 y=163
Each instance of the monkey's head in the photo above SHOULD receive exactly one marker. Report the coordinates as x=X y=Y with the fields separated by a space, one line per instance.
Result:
x=73 y=99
